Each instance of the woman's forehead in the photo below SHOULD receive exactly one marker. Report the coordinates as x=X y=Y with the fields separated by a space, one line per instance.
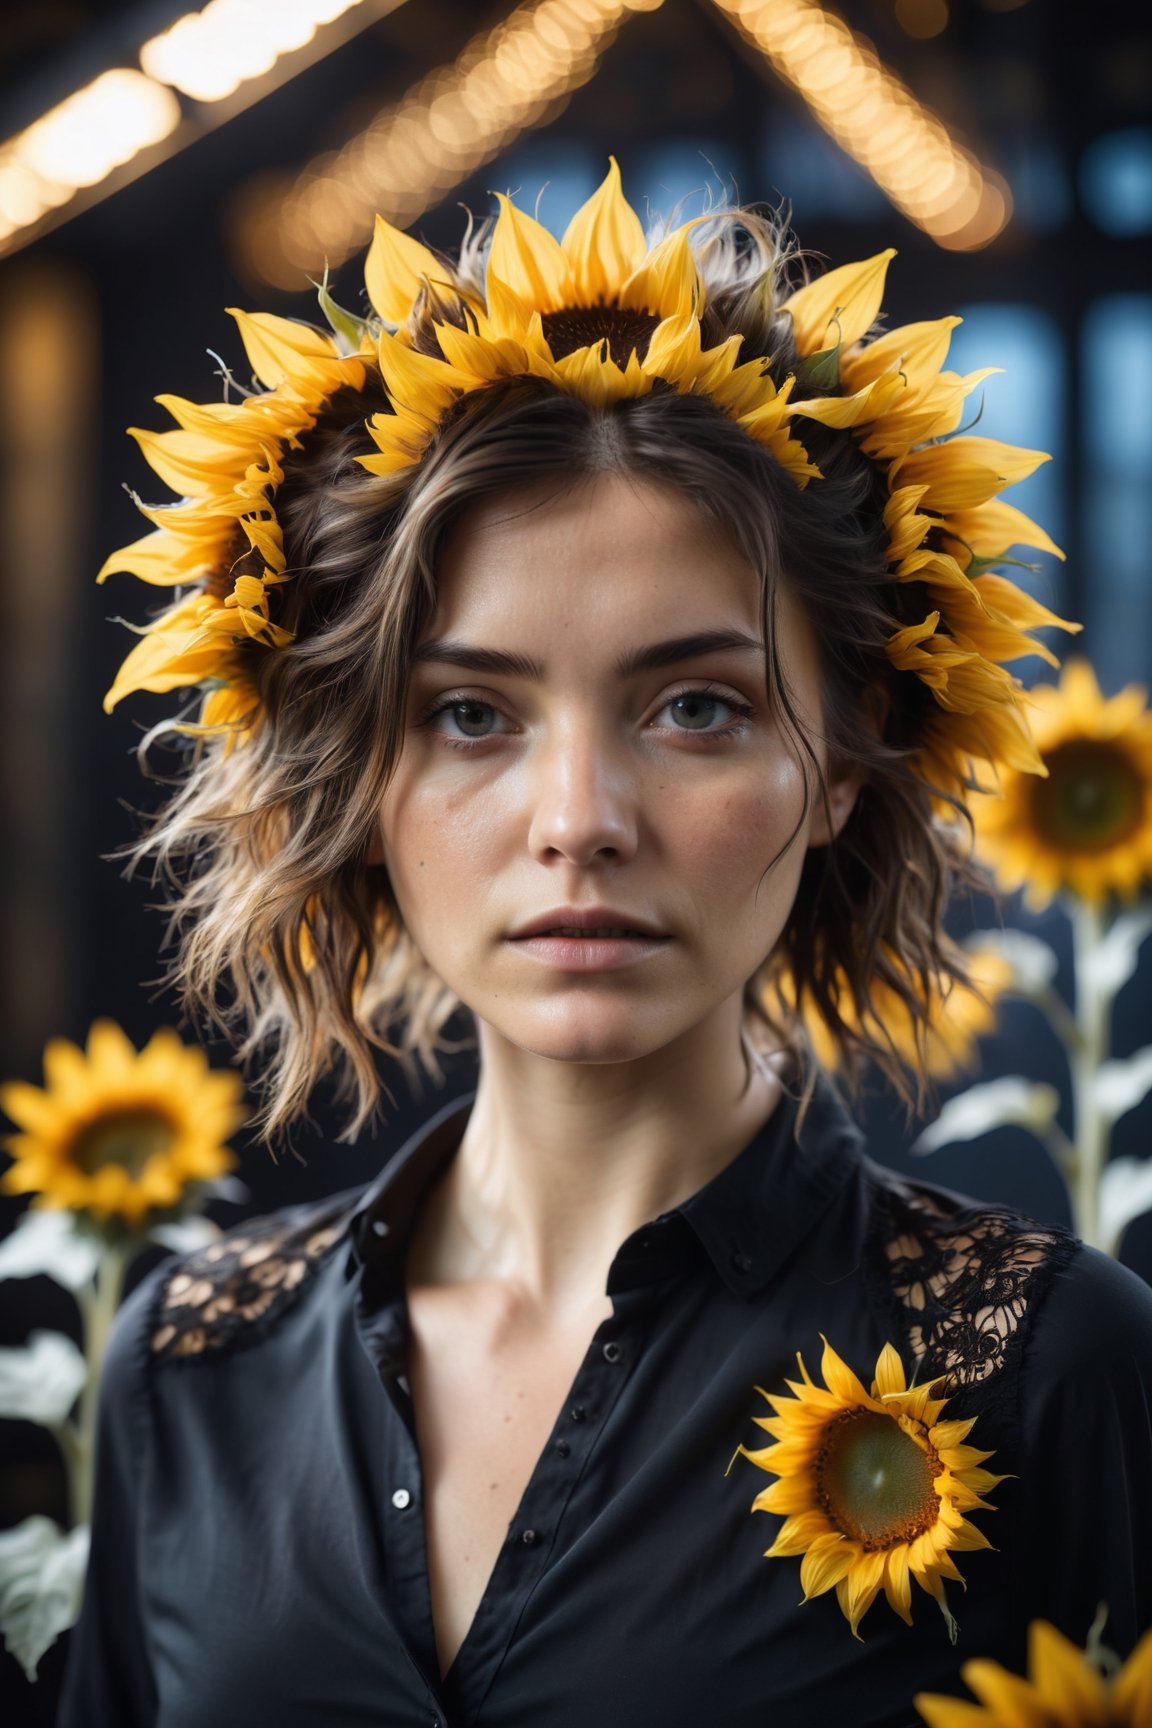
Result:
x=612 y=550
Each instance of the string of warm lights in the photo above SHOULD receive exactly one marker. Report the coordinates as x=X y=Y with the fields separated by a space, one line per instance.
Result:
x=505 y=80
x=209 y=54
x=125 y=119
x=876 y=119
x=80 y=142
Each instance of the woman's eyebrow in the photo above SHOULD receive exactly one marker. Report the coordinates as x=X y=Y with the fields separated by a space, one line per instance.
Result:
x=653 y=655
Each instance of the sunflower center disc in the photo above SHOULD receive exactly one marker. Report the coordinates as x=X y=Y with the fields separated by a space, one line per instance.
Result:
x=874 y=1482
x=623 y=329
x=1092 y=800
x=128 y=1137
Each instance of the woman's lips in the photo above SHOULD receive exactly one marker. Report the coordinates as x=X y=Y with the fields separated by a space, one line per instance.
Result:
x=588 y=952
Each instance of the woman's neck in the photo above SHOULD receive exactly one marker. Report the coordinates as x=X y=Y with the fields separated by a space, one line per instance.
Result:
x=561 y=1161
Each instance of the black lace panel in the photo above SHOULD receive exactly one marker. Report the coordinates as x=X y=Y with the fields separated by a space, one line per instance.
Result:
x=961 y=1281
x=228 y=1294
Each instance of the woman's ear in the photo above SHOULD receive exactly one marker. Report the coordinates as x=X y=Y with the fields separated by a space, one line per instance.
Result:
x=832 y=809
x=838 y=800
x=374 y=851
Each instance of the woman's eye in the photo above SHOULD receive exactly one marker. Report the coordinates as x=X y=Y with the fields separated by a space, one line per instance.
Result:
x=474 y=719
x=697 y=711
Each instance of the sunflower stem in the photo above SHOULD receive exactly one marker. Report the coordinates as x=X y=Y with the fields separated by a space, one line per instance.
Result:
x=1085 y=1060
x=98 y=1305
x=1062 y=1151
x=1055 y=1010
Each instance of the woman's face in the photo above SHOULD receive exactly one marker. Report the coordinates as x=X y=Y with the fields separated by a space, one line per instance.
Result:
x=588 y=733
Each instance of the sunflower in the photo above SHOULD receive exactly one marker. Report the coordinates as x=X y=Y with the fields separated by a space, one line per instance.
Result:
x=116 y=1134
x=224 y=461
x=873 y=1486
x=954 y=1017
x=1064 y=1689
x=596 y=314
x=1086 y=828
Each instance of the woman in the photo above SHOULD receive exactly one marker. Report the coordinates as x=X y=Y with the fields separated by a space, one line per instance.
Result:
x=600 y=638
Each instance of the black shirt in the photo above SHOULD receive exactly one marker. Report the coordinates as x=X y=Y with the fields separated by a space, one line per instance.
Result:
x=258 y=1547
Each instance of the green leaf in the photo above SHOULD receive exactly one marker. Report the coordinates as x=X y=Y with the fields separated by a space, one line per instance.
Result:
x=980 y=566
x=1125 y=1193
x=1110 y=964
x=345 y=325
x=1033 y=962
x=40 y=1382
x=1009 y=1103
x=1120 y=1086
x=53 y=1244
x=820 y=372
x=42 y=1571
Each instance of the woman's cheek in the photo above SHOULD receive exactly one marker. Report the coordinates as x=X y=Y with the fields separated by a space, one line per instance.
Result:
x=749 y=825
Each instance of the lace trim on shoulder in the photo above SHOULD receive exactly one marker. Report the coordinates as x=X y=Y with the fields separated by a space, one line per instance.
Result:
x=963 y=1281
x=231 y=1293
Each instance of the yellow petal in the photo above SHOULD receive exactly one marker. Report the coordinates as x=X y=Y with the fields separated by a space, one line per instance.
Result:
x=840 y=306
x=840 y=1380
x=916 y=350
x=941 y=1712
x=419 y=383
x=946 y=1435
x=598 y=380
x=1063 y=1679
x=161 y=558
x=65 y=1066
x=967 y=471
x=1012 y=1700
x=603 y=243
x=861 y=1587
x=667 y=282
x=280 y=350
x=995 y=527
x=898 y=1584
x=191 y=463
x=824 y=1565
x=866 y=405
x=526 y=258
x=890 y=1379
x=1132 y=1687
x=167 y=660
x=28 y=1106
x=109 y=1048
x=798 y=1534
x=394 y=270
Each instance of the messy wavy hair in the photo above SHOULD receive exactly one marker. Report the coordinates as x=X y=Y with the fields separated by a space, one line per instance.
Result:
x=286 y=936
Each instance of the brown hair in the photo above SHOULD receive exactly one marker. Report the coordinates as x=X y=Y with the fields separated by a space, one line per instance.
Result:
x=287 y=936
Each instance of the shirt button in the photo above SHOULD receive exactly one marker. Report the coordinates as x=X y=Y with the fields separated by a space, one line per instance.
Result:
x=401 y=1498
x=563 y=1448
x=528 y=1537
x=577 y=1412
x=741 y=1262
x=379 y=1228
x=612 y=1351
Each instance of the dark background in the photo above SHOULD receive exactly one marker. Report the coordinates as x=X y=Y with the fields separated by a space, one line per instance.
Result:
x=1056 y=98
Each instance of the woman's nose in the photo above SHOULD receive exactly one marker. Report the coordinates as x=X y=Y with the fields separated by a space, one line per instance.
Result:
x=584 y=800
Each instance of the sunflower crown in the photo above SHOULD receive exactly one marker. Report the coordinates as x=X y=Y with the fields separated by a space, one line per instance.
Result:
x=603 y=316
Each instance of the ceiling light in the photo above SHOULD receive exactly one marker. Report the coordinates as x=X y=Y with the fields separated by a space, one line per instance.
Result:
x=209 y=54
x=876 y=119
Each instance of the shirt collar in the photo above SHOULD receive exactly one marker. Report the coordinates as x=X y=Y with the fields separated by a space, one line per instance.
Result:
x=747 y=1219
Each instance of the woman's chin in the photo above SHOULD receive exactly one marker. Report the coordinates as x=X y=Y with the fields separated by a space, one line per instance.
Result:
x=606 y=1036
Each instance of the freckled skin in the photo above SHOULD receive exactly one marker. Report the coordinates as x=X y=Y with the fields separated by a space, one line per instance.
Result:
x=586 y=786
